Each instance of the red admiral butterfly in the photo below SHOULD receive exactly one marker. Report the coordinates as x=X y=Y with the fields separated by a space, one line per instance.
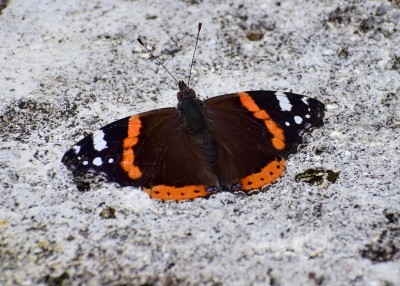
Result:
x=236 y=141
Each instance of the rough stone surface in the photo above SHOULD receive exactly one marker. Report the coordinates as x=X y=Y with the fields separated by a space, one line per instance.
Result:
x=70 y=67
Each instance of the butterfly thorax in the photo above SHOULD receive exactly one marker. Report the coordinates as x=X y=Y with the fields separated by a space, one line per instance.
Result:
x=191 y=109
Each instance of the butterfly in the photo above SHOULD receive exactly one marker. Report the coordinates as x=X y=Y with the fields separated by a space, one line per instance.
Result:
x=237 y=141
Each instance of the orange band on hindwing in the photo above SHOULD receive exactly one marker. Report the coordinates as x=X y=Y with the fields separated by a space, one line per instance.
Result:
x=269 y=174
x=128 y=154
x=278 y=138
x=165 y=193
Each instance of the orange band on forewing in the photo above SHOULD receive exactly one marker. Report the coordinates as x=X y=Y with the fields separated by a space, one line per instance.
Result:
x=261 y=114
x=129 y=142
x=268 y=175
x=134 y=173
x=278 y=143
x=165 y=193
x=134 y=126
x=128 y=154
x=127 y=159
x=248 y=102
x=278 y=139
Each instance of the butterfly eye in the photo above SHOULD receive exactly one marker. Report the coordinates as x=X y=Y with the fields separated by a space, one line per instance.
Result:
x=179 y=95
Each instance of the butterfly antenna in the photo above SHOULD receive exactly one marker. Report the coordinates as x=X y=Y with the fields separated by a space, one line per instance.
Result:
x=154 y=57
x=194 y=52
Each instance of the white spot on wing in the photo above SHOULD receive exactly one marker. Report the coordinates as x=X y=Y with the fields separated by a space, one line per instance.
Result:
x=99 y=143
x=308 y=116
x=287 y=123
x=305 y=100
x=298 y=119
x=85 y=162
x=284 y=102
x=97 y=161
x=110 y=160
x=77 y=149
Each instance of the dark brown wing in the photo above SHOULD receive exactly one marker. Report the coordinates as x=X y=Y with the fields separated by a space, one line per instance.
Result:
x=151 y=150
x=256 y=130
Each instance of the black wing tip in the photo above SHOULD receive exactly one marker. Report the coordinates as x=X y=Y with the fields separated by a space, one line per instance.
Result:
x=316 y=108
x=317 y=112
x=70 y=160
x=89 y=172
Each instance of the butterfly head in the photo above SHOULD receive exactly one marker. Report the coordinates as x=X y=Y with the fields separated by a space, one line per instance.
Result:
x=185 y=92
